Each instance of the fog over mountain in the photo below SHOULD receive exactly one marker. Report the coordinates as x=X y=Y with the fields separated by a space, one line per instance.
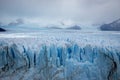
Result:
x=74 y=27
x=113 y=26
x=46 y=12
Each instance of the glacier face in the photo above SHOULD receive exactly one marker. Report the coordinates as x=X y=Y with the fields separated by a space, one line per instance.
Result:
x=69 y=62
x=60 y=57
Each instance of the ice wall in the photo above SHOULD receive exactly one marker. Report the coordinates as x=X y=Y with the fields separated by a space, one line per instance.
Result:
x=63 y=62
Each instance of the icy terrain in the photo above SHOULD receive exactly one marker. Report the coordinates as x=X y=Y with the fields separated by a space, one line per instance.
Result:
x=60 y=55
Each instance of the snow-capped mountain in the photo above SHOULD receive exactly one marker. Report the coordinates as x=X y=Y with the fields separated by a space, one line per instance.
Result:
x=114 y=26
x=74 y=27
x=69 y=27
x=53 y=27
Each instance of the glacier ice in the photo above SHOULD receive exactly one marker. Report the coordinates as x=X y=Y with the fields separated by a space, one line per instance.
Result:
x=58 y=62
x=60 y=55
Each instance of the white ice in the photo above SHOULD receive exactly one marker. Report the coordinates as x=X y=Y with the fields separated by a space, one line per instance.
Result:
x=60 y=55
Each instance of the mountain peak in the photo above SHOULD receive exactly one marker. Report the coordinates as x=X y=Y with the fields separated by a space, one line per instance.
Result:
x=116 y=21
x=1 y=30
x=75 y=27
x=114 y=26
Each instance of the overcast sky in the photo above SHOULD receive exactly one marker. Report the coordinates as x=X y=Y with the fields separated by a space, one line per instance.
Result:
x=45 y=12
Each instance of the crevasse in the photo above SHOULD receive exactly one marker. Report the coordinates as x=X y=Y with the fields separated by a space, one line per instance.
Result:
x=69 y=62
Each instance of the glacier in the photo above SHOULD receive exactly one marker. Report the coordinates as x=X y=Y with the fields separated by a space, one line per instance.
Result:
x=53 y=57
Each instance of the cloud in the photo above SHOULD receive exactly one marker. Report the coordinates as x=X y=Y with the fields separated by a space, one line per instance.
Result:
x=86 y=12
x=16 y=23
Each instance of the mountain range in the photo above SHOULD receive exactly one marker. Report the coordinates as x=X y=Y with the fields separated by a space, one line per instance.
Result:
x=75 y=27
x=113 y=26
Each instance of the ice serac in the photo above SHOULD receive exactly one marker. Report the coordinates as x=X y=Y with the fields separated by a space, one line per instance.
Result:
x=55 y=62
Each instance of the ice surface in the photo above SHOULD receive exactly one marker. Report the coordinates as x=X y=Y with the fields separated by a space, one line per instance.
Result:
x=60 y=55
